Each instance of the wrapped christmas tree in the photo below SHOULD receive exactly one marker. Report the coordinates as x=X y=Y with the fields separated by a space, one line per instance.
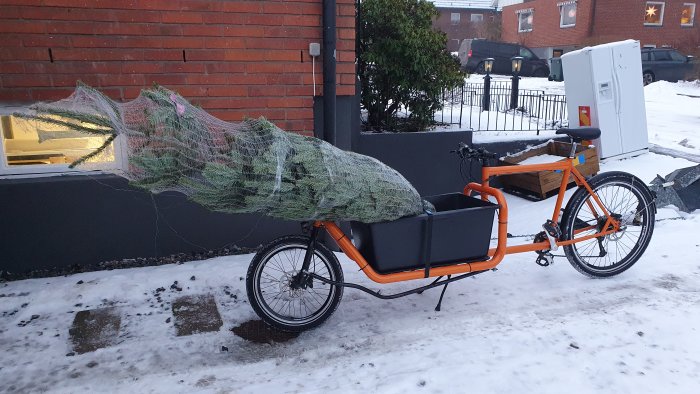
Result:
x=250 y=166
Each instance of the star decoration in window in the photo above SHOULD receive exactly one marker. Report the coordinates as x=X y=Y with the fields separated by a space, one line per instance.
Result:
x=651 y=11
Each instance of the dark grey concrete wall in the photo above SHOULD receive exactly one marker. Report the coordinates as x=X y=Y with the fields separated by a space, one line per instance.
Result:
x=86 y=219
x=423 y=158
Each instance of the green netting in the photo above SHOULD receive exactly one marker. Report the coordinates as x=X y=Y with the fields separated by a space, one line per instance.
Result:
x=249 y=166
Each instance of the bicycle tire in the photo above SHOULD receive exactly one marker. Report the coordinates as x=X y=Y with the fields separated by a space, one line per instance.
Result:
x=624 y=195
x=285 y=256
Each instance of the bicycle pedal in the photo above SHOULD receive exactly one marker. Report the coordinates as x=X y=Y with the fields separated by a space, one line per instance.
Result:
x=545 y=260
x=552 y=228
x=553 y=232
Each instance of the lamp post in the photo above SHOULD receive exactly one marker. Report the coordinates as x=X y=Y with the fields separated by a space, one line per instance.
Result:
x=516 y=64
x=486 y=100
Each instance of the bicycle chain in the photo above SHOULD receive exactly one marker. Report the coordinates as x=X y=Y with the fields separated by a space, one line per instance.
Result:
x=534 y=235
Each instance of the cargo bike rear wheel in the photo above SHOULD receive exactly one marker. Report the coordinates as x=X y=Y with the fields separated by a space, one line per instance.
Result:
x=629 y=201
x=274 y=291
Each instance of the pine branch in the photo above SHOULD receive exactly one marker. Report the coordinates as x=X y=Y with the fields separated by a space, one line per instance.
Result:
x=70 y=125
x=79 y=116
x=93 y=153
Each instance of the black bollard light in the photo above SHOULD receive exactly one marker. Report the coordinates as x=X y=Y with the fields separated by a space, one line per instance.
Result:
x=516 y=64
x=486 y=100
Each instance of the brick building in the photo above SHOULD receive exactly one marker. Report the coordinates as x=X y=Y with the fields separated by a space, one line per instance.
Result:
x=551 y=27
x=467 y=19
x=234 y=58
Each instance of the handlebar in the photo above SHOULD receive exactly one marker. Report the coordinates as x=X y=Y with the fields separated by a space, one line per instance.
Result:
x=466 y=152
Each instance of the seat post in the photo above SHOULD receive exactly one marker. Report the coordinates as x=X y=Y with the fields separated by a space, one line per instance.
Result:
x=573 y=149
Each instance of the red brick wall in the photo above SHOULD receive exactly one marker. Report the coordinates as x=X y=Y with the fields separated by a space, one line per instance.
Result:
x=621 y=19
x=234 y=58
x=613 y=20
x=546 y=19
x=465 y=28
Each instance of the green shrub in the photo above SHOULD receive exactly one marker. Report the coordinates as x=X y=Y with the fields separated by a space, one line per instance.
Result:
x=403 y=64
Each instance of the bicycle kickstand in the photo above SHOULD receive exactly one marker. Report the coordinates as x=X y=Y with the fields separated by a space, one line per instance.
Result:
x=437 y=308
x=435 y=281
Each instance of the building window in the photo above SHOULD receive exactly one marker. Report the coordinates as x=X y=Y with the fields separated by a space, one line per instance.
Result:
x=477 y=17
x=688 y=14
x=567 y=11
x=654 y=13
x=31 y=147
x=525 y=20
x=455 y=18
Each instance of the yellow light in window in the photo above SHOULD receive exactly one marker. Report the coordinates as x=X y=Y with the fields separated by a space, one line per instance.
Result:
x=685 y=16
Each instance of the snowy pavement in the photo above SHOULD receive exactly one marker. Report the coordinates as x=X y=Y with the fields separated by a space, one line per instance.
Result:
x=521 y=329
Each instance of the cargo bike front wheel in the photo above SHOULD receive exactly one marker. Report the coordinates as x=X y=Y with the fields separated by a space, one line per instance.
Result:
x=278 y=300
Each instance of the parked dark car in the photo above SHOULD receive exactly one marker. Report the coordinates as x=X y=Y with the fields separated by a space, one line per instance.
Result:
x=664 y=64
x=472 y=53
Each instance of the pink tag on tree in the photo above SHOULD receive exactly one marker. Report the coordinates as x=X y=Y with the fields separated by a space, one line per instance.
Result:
x=179 y=108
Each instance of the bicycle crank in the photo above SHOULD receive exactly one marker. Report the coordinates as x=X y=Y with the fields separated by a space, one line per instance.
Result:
x=552 y=233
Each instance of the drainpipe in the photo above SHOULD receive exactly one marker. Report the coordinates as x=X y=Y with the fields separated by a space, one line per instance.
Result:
x=590 y=26
x=329 y=41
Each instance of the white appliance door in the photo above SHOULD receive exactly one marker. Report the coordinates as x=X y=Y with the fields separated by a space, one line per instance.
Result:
x=631 y=110
x=606 y=101
x=579 y=87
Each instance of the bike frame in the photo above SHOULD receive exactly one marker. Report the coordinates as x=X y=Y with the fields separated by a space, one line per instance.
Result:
x=496 y=254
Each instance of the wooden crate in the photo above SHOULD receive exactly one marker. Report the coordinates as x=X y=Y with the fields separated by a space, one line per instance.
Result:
x=546 y=183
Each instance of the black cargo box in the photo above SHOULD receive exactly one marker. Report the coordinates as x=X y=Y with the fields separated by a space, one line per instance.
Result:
x=461 y=232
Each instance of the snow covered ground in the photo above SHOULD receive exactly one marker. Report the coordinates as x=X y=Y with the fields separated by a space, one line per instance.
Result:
x=495 y=125
x=521 y=329
x=673 y=115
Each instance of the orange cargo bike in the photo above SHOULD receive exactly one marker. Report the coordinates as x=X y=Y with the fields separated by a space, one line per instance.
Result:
x=295 y=282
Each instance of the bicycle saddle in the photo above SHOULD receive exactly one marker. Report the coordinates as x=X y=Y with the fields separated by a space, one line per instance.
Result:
x=583 y=133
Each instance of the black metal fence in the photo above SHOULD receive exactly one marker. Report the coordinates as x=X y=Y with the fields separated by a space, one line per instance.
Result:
x=535 y=110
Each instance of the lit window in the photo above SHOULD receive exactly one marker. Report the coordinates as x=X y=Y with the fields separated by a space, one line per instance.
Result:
x=525 y=20
x=455 y=18
x=28 y=146
x=654 y=13
x=477 y=18
x=567 y=12
x=688 y=14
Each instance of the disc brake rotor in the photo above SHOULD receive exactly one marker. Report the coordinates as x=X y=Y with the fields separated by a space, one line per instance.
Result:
x=285 y=287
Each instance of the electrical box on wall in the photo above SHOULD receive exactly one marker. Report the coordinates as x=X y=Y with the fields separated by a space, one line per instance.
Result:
x=314 y=49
